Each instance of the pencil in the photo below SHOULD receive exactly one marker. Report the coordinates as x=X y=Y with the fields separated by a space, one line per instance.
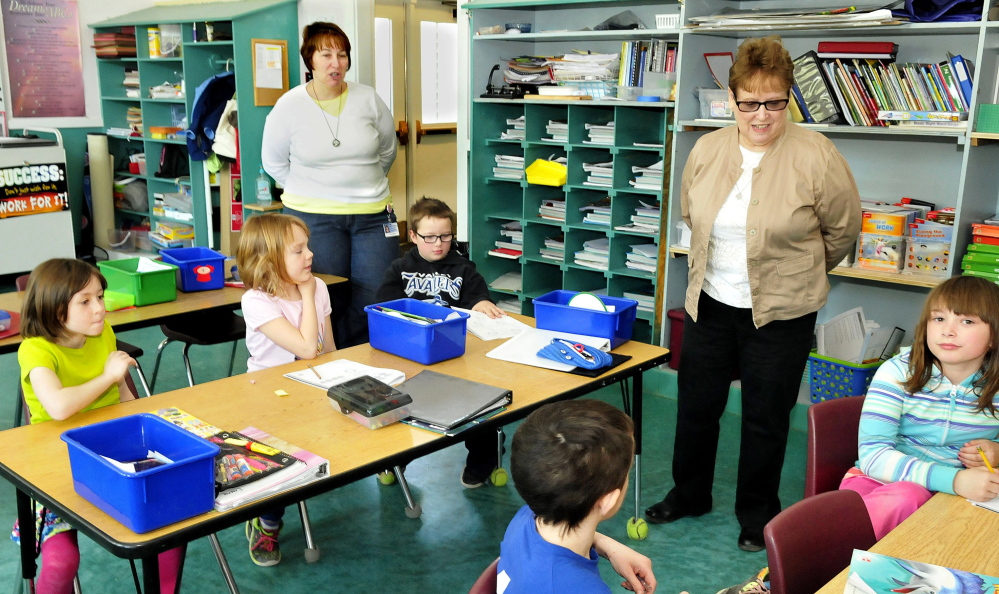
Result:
x=314 y=371
x=981 y=453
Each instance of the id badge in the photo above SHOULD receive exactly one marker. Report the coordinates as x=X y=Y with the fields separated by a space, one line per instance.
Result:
x=391 y=229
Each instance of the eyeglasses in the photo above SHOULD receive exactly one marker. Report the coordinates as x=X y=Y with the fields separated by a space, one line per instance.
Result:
x=446 y=238
x=751 y=106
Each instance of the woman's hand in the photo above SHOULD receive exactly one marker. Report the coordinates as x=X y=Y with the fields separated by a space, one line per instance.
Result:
x=634 y=567
x=969 y=456
x=489 y=308
x=977 y=484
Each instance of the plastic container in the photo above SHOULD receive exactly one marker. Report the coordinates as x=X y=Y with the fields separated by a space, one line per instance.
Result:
x=122 y=240
x=114 y=301
x=667 y=21
x=425 y=344
x=552 y=312
x=170 y=40
x=149 y=499
x=546 y=173
x=198 y=268
x=153 y=34
x=714 y=103
x=518 y=27
x=153 y=286
x=629 y=93
x=370 y=402
x=830 y=378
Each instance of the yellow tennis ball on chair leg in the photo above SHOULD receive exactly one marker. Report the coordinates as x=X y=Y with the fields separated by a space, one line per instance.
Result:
x=499 y=477
x=638 y=529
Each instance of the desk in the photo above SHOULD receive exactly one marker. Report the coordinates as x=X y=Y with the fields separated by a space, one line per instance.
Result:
x=150 y=315
x=304 y=418
x=946 y=531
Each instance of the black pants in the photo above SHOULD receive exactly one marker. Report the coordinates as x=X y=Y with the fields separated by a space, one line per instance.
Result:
x=770 y=361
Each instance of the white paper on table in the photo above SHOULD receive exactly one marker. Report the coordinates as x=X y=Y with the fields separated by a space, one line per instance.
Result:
x=342 y=370
x=523 y=348
x=486 y=328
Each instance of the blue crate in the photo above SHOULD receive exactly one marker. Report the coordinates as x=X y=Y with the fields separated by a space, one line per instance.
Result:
x=426 y=344
x=153 y=498
x=830 y=378
x=552 y=312
x=200 y=269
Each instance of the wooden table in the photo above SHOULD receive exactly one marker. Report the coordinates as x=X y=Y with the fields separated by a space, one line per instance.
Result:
x=946 y=531
x=304 y=418
x=150 y=315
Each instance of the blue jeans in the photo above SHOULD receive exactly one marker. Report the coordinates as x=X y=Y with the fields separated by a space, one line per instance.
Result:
x=354 y=247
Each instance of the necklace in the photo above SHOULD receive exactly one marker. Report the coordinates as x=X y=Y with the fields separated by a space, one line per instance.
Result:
x=738 y=190
x=336 y=141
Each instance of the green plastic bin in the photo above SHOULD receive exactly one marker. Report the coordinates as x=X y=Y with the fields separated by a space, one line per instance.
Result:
x=150 y=287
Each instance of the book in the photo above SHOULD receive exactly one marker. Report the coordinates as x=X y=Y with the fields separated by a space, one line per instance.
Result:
x=858 y=47
x=815 y=90
x=336 y=372
x=986 y=240
x=873 y=573
x=983 y=229
x=981 y=248
x=443 y=402
x=981 y=258
x=962 y=70
x=506 y=253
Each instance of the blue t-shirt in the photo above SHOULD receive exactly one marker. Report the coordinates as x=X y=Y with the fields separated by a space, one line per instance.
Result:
x=531 y=565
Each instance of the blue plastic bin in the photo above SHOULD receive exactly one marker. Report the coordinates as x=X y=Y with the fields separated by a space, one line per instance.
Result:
x=200 y=269
x=153 y=498
x=426 y=344
x=552 y=312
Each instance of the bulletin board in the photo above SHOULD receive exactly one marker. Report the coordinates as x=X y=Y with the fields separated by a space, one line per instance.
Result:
x=270 y=70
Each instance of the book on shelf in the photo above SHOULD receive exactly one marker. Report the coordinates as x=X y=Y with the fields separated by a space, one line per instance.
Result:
x=815 y=90
x=873 y=573
x=934 y=116
x=506 y=253
x=859 y=47
x=336 y=372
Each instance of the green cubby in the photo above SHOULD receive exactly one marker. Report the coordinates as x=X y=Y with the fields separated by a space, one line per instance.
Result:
x=640 y=124
x=580 y=156
x=541 y=278
x=578 y=198
x=535 y=234
x=580 y=115
x=534 y=195
x=537 y=118
x=582 y=279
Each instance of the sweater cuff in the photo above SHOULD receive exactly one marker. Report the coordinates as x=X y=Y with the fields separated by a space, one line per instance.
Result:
x=942 y=478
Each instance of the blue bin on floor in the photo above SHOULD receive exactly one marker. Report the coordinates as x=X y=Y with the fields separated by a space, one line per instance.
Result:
x=552 y=312
x=423 y=343
x=200 y=269
x=149 y=499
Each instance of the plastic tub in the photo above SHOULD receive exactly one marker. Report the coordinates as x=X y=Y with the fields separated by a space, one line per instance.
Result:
x=425 y=344
x=553 y=313
x=830 y=378
x=198 y=268
x=153 y=286
x=149 y=499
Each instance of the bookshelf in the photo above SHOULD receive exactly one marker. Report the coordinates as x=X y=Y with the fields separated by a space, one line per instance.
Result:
x=493 y=201
x=234 y=24
x=953 y=168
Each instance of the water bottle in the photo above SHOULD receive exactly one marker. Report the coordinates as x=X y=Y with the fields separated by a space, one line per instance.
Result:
x=263 y=188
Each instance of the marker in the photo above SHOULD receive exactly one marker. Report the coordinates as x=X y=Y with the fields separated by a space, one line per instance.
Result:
x=313 y=368
x=981 y=453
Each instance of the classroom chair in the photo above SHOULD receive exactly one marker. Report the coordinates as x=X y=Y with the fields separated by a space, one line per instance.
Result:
x=810 y=542
x=486 y=584
x=833 y=428
x=204 y=328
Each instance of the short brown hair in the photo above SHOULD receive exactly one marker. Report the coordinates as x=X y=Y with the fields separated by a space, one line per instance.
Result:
x=260 y=255
x=51 y=287
x=321 y=35
x=429 y=208
x=567 y=455
x=963 y=295
x=761 y=64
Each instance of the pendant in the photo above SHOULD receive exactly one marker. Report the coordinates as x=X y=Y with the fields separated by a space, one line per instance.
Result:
x=336 y=143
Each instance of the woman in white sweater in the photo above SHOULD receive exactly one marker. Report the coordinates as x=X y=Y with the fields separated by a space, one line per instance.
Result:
x=330 y=145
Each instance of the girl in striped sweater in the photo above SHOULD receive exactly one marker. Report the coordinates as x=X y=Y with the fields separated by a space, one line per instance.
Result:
x=930 y=408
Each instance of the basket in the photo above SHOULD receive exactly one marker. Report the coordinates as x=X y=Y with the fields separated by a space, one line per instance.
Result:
x=597 y=89
x=546 y=173
x=425 y=344
x=833 y=378
x=667 y=21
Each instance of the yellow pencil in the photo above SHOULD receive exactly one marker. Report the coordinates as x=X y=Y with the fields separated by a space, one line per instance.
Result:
x=981 y=453
x=321 y=377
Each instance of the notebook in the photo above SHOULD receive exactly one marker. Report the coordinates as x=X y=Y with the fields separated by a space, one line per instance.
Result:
x=442 y=402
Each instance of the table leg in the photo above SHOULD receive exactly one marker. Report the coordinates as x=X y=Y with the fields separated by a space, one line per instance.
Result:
x=151 y=574
x=636 y=417
x=223 y=564
x=26 y=524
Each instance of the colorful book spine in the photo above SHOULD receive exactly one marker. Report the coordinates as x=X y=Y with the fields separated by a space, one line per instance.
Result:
x=938 y=116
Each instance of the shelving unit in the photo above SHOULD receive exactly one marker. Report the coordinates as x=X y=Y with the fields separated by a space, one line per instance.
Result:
x=197 y=61
x=494 y=201
x=949 y=168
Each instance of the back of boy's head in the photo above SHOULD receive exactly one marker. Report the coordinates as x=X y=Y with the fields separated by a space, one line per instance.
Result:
x=51 y=287
x=261 y=251
x=567 y=455
x=429 y=208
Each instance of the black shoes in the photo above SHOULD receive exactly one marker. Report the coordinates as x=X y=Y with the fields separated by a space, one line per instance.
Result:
x=751 y=540
x=667 y=511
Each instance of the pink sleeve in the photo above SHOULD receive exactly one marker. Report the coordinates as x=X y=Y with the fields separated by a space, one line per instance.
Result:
x=260 y=308
x=323 y=307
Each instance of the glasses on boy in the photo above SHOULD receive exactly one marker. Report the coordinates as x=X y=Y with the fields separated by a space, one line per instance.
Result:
x=446 y=238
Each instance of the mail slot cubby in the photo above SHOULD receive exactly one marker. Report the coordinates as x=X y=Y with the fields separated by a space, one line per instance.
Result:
x=578 y=157
x=623 y=207
x=574 y=240
x=533 y=198
x=115 y=70
x=642 y=125
x=492 y=128
x=537 y=120
x=579 y=279
x=580 y=115
x=623 y=174
x=621 y=245
x=578 y=198
x=535 y=234
x=541 y=278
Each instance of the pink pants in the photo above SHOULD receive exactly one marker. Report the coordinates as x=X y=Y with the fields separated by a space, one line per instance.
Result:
x=887 y=504
x=61 y=560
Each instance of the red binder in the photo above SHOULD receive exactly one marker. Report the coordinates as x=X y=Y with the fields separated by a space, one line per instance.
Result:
x=857 y=47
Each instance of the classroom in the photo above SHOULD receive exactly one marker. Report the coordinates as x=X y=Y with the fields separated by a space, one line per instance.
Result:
x=766 y=234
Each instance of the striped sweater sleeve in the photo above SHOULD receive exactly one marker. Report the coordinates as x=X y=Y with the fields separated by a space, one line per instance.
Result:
x=879 y=435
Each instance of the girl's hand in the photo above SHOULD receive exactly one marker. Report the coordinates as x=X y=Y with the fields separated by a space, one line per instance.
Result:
x=308 y=289
x=117 y=365
x=969 y=456
x=977 y=484
x=489 y=308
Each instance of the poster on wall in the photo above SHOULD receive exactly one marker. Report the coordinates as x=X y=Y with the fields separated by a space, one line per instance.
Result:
x=33 y=189
x=44 y=58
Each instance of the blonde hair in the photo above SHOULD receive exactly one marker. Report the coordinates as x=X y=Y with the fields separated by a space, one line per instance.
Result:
x=51 y=287
x=260 y=255
x=761 y=64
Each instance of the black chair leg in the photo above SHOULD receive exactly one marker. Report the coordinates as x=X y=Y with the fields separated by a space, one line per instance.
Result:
x=142 y=380
x=156 y=365
x=18 y=417
x=232 y=357
x=187 y=365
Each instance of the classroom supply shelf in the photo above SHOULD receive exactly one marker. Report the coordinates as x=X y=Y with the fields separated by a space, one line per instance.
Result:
x=198 y=60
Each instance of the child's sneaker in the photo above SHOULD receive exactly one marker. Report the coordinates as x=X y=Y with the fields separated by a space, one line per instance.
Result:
x=758 y=584
x=473 y=478
x=264 y=548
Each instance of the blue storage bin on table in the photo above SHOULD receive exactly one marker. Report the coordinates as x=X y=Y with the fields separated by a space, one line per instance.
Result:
x=152 y=498
x=552 y=312
x=200 y=269
x=424 y=343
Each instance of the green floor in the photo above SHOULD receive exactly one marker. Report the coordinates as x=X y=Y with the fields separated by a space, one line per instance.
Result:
x=369 y=545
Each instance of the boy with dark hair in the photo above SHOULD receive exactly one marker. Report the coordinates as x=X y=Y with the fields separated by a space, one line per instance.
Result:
x=570 y=463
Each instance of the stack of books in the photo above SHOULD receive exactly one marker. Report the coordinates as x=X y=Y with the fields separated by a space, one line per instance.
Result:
x=598 y=213
x=558 y=129
x=134 y=119
x=645 y=220
x=601 y=175
x=648 y=178
x=509 y=167
x=554 y=249
x=512 y=247
x=595 y=254
x=131 y=82
x=115 y=45
x=528 y=70
x=516 y=132
x=639 y=57
x=552 y=210
x=982 y=258
x=643 y=256
x=602 y=134
x=645 y=297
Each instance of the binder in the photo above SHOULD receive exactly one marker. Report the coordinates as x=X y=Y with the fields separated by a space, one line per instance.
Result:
x=962 y=70
x=815 y=90
x=442 y=402
x=858 y=47
x=800 y=101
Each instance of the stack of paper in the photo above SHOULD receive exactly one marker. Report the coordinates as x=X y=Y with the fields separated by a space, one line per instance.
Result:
x=595 y=254
x=511 y=281
x=602 y=134
x=510 y=305
x=643 y=256
x=794 y=18
x=516 y=132
x=554 y=249
x=853 y=338
x=648 y=178
x=558 y=129
x=583 y=65
x=134 y=118
x=509 y=167
x=553 y=210
x=645 y=220
x=601 y=174
x=646 y=298
x=598 y=213
x=513 y=246
x=528 y=70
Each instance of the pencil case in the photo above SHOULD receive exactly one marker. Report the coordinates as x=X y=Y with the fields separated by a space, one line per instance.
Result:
x=580 y=355
x=370 y=402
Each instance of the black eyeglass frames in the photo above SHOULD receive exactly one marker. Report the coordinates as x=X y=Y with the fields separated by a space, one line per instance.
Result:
x=772 y=105
x=446 y=238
